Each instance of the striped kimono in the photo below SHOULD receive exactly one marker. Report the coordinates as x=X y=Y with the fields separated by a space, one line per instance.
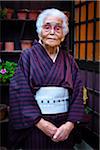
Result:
x=36 y=69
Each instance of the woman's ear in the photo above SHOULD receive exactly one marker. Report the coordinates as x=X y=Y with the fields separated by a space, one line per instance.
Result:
x=40 y=38
x=62 y=39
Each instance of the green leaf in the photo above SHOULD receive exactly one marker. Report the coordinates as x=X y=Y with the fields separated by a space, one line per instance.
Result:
x=10 y=68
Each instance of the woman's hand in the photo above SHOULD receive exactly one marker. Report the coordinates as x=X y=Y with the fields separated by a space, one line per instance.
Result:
x=63 y=132
x=48 y=128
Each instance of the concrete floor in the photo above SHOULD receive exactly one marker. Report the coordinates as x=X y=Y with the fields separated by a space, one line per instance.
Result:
x=83 y=146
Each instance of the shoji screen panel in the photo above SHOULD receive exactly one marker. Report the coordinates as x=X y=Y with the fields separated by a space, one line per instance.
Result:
x=86 y=50
x=87 y=31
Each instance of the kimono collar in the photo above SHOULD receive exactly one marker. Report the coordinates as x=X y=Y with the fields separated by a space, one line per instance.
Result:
x=54 y=59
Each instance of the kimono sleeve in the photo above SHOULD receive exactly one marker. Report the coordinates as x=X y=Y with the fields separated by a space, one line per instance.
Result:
x=76 y=110
x=24 y=111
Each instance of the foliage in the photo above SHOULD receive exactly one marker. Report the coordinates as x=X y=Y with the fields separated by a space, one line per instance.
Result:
x=7 y=70
x=88 y=110
x=3 y=13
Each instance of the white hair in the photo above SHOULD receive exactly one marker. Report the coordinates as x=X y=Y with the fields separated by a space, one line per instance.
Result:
x=52 y=12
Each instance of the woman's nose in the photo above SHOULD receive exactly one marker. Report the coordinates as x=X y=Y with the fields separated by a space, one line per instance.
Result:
x=52 y=31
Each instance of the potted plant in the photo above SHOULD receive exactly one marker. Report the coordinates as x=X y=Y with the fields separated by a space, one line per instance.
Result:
x=7 y=70
x=9 y=46
x=10 y=12
x=88 y=111
x=6 y=13
x=3 y=111
x=0 y=45
x=3 y=13
x=33 y=14
x=26 y=44
x=22 y=14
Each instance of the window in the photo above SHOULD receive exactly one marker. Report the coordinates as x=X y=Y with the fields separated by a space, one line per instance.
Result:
x=86 y=33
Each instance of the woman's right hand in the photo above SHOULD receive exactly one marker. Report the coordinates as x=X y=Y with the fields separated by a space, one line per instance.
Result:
x=47 y=127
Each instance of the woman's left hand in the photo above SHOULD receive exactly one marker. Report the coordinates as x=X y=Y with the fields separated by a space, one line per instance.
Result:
x=63 y=132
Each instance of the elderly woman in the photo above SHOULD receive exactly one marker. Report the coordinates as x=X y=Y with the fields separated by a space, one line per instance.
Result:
x=46 y=90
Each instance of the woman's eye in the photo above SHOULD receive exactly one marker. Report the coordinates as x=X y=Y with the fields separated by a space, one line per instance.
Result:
x=58 y=28
x=46 y=27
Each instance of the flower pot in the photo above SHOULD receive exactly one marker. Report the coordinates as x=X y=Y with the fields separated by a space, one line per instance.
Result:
x=26 y=44
x=9 y=13
x=32 y=15
x=22 y=14
x=9 y=46
x=0 y=45
x=3 y=111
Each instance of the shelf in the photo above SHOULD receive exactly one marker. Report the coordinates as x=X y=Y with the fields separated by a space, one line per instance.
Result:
x=12 y=20
x=5 y=55
x=16 y=30
x=15 y=51
x=11 y=56
x=4 y=85
x=5 y=120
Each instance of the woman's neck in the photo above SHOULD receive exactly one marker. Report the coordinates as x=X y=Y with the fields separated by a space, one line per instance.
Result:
x=50 y=50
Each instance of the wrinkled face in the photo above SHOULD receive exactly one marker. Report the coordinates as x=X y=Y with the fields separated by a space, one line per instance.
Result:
x=52 y=31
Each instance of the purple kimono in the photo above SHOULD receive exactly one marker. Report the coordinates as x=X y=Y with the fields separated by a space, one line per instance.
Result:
x=36 y=69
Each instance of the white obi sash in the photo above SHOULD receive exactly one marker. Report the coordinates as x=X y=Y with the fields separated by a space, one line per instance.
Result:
x=52 y=100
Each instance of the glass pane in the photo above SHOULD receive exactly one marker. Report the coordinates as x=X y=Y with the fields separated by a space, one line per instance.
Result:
x=91 y=10
x=90 y=31
x=83 y=32
x=98 y=9
x=83 y=13
x=97 y=52
x=76 y=50
x=77 y=15
x=82 y=51
x=77 y=33
x=97 y=30
x=90 y=51
x=83 y=1
x=77 y=2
